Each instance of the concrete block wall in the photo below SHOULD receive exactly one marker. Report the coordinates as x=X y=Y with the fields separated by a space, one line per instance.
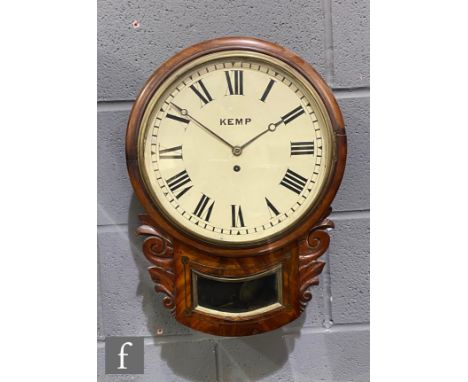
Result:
x=330 y=342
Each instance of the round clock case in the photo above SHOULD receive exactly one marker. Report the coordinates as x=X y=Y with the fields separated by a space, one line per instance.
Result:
x=147 y=101
x=268 y=274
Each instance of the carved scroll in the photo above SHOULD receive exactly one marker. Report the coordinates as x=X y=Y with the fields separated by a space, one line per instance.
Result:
x=158 y=249
x=311 y=247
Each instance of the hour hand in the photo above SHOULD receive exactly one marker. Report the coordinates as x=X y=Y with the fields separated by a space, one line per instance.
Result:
x=271 y=127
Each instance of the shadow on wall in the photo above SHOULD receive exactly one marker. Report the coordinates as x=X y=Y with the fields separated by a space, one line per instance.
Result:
x=270 y=349
x=255 y=357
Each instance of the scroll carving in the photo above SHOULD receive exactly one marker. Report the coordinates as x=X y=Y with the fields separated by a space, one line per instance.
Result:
x=311 y=247
x=158 y=249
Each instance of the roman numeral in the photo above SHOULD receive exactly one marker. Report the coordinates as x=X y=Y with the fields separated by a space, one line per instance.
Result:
x=271 y=208
x=237 y=218
x=177 y=181
x=236 y=88
x=205 y=97
x=267 y=90
x=292 y=115
x=201 y=211
x=171 y=153
x=177 y=118
x=302 y=148
x=293 y=181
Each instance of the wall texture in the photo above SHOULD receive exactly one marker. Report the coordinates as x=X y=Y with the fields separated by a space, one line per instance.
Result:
x=330 y=342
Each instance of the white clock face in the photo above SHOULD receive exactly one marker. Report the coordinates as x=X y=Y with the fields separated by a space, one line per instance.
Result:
x=235 y=147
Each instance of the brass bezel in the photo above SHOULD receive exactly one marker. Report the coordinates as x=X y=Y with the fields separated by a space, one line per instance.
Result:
x=278 y=269
x=167 y=86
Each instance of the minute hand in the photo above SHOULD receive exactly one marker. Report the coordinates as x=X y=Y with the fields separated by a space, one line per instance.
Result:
x=271 y=127
x=185 y=112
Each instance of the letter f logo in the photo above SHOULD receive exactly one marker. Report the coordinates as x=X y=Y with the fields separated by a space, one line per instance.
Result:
x=122 y=355
x=130 y=351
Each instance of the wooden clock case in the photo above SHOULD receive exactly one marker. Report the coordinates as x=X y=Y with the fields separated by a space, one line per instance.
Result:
x=178 y=257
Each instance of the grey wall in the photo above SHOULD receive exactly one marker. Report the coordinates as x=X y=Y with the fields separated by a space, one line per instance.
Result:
x=330 y=342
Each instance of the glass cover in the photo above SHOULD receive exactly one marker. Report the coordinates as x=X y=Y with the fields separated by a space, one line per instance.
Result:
x=237 y=295
x=236 y=147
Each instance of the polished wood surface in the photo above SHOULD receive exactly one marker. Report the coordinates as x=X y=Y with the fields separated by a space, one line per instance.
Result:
x=228 y=43
x=173 y=263
x=174 y=253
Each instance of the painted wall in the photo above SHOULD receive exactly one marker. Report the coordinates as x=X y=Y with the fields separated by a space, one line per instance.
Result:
x=330 y=342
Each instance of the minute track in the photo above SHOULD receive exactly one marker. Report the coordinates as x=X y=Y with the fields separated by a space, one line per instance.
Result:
x=216 y=224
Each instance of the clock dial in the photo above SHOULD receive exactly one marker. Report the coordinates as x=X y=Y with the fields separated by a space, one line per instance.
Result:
x=235 y=147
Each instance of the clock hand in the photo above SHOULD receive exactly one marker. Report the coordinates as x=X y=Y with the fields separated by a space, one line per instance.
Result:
x=185 y=113
x=271 y=127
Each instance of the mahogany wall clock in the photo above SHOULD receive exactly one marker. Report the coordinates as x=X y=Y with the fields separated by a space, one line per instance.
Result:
x=235 y=148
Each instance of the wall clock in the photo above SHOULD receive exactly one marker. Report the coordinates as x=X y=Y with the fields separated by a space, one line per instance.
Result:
x=235 y=148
